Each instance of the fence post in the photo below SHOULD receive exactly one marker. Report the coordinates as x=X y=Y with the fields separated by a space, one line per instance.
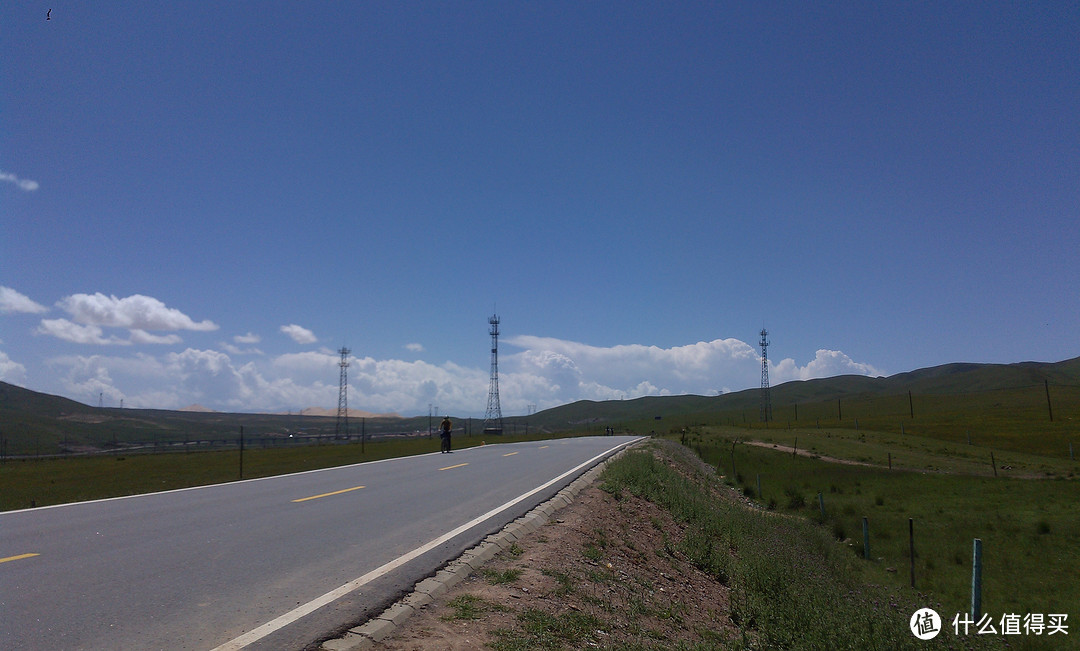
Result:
x=890 y=461
x=866 y=538
x=976 y=580
x=821 y=504
x=910 y=406
x=1049 y=407
x=911 y=547
x=993 y=464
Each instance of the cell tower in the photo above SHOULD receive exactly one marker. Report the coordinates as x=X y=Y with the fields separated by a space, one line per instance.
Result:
x=342 y=426
x=493 y=415
x=766 y=398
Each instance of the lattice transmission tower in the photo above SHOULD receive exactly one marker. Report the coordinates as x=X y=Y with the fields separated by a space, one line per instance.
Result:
x=493 y=416
x=766 y=397
x=342 y=426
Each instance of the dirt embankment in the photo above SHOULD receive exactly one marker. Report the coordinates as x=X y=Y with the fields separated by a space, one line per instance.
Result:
x=604 y=573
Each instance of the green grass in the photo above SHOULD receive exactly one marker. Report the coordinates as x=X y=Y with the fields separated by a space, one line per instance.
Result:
x=541 y=630
x=1028 y=527
x=909 y=451
x=792 y=585
x=498 y=577
x=469 y=606
x=592 y=552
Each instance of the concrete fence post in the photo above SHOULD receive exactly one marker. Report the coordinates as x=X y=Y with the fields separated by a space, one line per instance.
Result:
x=976 y=580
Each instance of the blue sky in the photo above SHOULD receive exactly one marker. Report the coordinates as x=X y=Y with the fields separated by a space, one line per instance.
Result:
x=202 y=202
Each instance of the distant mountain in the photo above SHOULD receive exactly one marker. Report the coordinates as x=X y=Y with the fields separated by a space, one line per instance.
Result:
x=14 y=397
x=353 y=413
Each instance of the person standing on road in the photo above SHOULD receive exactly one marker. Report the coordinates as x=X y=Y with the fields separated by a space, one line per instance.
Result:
x=444 y=433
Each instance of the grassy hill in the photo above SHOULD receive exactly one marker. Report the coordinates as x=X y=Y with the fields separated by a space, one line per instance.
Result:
x=949 y=379
x=1006 y=405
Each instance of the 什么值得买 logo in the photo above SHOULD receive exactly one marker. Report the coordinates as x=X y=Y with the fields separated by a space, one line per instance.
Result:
x=925 y=624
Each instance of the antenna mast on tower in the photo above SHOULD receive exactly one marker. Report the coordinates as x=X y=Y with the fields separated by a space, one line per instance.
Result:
x=342 y=425
x=493 y=415
x=766 y=398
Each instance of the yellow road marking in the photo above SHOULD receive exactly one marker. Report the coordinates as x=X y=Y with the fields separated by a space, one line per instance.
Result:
x=509 y=454
x=18 y=558
x=452 y=467
x=544 y=446
x=315 y=497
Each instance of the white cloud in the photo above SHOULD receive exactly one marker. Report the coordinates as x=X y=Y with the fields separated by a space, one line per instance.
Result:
x=178 y=379
x=136 y=312
x=207 y=375
x=546 y=372
x=23 y=184
x=554 y=371
x=12 y=301
x=78 y=334
x=248 y=339
x=94 y=335
x=826 y=363
x=11 y=371
x=144 y=337
x=299 y=334
x=312 y=361
x=575 y=370
x=415 y=348
x=236 y=350
x=88 y=379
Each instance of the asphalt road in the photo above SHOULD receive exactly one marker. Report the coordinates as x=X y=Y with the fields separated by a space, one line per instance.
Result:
x=275 y=563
